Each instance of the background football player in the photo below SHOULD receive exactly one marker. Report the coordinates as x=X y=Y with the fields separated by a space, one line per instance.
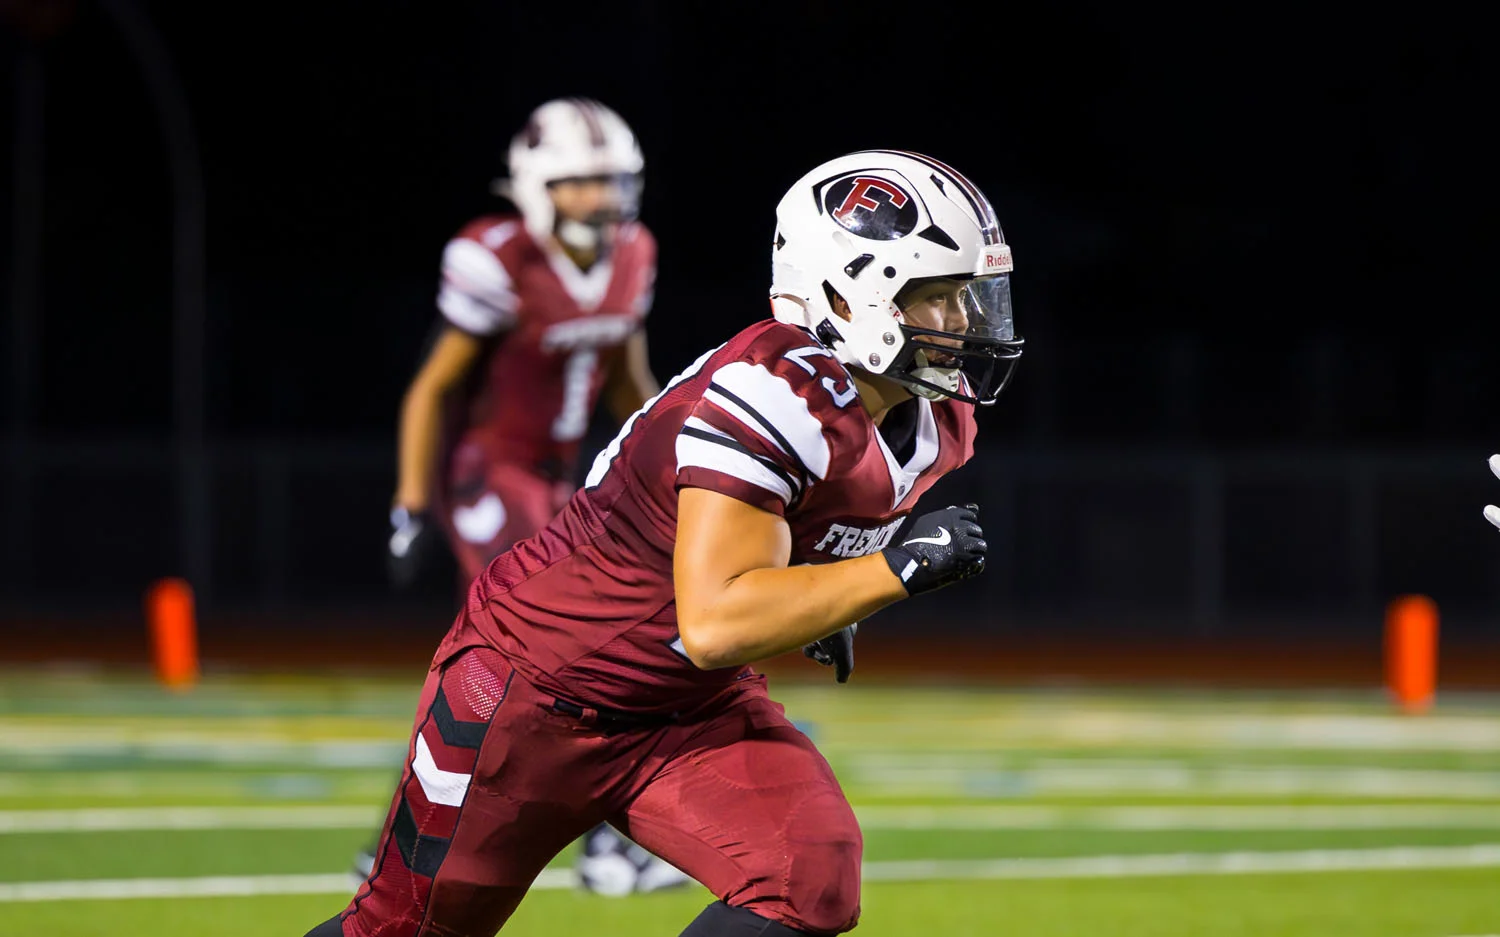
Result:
x=541 y=313
x=599 y=670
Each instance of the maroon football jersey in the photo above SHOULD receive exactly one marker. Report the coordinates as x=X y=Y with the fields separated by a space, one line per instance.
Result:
x=586 y=607
x=537 y=389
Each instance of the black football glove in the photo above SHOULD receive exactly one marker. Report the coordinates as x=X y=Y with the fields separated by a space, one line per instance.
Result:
x=836 y=651
x=941 y=548
x=412 y=536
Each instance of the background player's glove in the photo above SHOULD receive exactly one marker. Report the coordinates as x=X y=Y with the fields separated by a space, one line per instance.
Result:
x=411 y=535
x=942 y=548
x=836 y=651
x=1491 y=512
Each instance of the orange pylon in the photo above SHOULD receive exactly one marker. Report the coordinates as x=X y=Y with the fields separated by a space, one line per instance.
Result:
x=1411 y=635
x=173 y=625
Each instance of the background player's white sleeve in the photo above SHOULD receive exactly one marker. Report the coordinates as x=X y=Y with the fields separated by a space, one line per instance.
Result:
x=753 y=438
x=477 y=294
x=1491 y=512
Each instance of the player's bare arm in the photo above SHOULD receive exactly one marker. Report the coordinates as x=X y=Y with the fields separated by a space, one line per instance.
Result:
x=737 y=599
x=451 y=358
x=629 y=382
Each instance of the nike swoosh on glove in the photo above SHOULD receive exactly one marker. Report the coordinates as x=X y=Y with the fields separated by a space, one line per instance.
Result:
x=941 y=548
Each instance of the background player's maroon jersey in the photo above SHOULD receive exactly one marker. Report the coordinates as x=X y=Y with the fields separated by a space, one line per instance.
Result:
x=536 y=391
x=586 y=608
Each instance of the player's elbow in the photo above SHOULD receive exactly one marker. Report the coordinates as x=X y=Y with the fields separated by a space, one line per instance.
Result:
x=704 y=645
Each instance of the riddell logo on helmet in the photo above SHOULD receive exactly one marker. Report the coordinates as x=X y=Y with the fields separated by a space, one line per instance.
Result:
x=997 y=260
x=871 y=207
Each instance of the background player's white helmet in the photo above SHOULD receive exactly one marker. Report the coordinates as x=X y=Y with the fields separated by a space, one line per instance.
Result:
x=868 y=225
x=571 y=138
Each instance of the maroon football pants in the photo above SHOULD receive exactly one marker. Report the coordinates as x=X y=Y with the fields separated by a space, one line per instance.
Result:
x=497 y=783
x=487 y=507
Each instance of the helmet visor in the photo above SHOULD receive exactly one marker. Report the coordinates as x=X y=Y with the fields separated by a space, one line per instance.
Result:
x=986 y=301
x=960 y=337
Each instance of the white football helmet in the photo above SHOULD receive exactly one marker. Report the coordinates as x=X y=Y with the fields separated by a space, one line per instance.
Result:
x=571 y=138
x=866 y=226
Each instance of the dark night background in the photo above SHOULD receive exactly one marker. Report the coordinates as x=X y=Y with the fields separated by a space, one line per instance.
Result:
x=1257 y=390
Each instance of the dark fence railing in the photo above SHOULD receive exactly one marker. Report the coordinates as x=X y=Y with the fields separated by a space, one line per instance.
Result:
x=1191 y=542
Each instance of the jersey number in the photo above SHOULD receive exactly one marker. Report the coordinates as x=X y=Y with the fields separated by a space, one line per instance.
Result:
x=799 y=356
x=578 y=379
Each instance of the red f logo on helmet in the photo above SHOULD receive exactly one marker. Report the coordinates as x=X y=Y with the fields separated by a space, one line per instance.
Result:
x=859 y=197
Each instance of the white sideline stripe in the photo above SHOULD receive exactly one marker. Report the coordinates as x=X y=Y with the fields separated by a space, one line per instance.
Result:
x=1229 y=863
x=905 y=817
x=105 y=819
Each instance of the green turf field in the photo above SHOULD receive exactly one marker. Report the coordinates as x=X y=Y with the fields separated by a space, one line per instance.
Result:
x=236 y=809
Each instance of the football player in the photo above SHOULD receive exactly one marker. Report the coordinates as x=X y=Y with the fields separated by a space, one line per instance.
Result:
x=541 y=313
x=600 y=669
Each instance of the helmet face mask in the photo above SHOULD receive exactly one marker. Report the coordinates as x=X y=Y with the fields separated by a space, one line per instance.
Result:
x=914 y=250
x=966 y=349
x=589 y=209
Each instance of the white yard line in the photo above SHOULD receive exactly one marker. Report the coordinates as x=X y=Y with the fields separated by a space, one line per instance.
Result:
x=1075 y=725
x=1233 y=863
x=1189 y=863
x=960 y=777
x=102 y=819
x=214 y=886
x=1196 y=817
x=905 y=817
x=922 y=778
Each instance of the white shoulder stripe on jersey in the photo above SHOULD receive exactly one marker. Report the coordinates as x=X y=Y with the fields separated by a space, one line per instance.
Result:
x=495 y=235
x=475 y=269
x=745 y=417
x=473 y=314
x=766 y=404
x=694 y=422
x=702 y=453
x=477 y=293
x=703 y=430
